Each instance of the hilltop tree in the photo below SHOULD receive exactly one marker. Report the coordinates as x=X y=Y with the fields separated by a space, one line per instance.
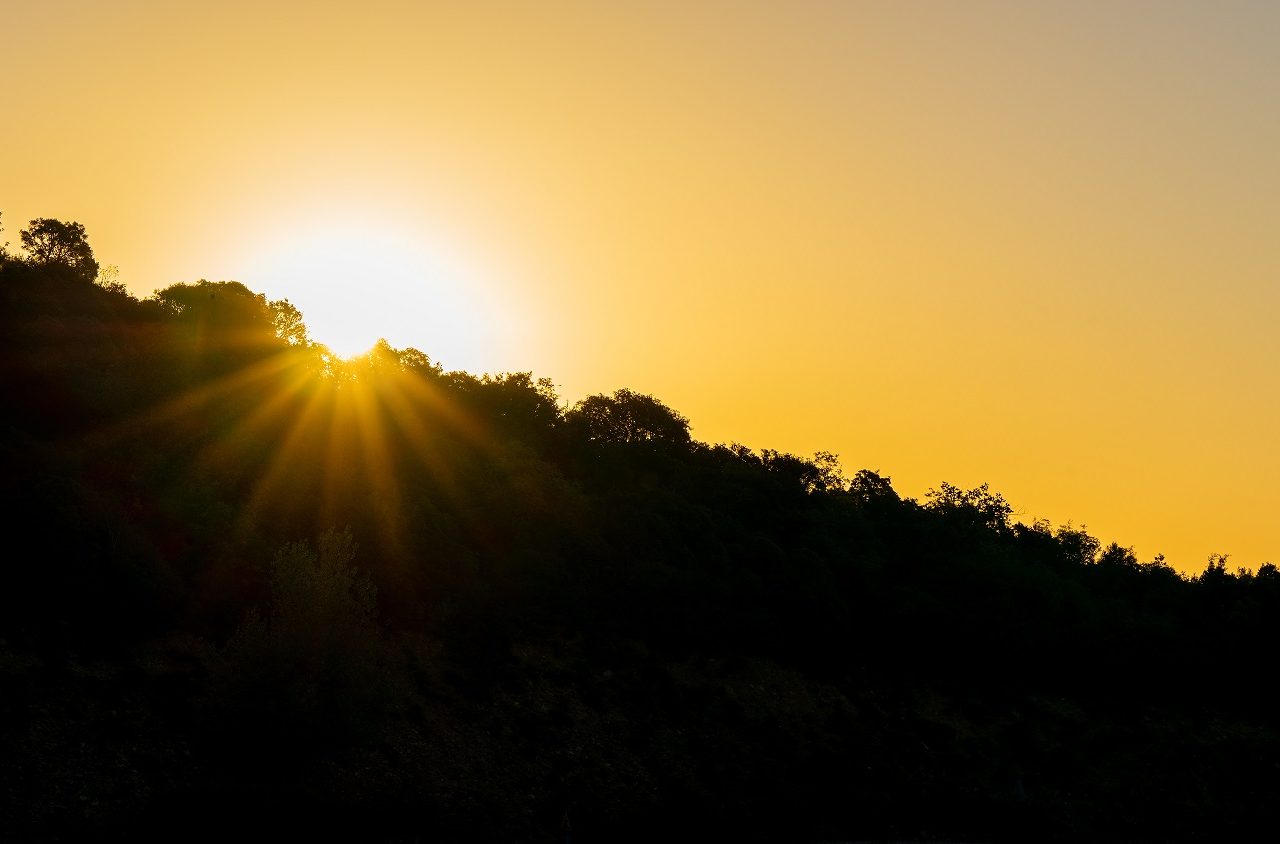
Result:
x=821 y=474
x=628 y=417
x=868 y=487
x=50 y=242
x=220 y=325
x=225 y=305
x=980 y=505
x=288 y=323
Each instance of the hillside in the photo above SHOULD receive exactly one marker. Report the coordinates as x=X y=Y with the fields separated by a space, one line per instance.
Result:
x=248 y=579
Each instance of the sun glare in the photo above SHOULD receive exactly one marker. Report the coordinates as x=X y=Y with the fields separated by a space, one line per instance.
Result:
x=358 y=283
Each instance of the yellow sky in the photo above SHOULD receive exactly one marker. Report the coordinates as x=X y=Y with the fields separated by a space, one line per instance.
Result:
x=1033 y=244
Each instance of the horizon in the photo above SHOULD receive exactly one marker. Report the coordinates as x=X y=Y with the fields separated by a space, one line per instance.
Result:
x=1027 y=247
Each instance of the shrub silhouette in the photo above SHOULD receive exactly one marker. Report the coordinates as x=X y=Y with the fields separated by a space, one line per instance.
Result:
x=314 y=666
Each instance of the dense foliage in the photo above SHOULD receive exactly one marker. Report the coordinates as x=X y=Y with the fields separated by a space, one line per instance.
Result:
x=247 y=579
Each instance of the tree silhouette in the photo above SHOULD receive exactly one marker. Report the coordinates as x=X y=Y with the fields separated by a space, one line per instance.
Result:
x=50 y=242
x=820 y=474
x=868 y=487
x=628 y=417
x=288 y=323
x=980 y=505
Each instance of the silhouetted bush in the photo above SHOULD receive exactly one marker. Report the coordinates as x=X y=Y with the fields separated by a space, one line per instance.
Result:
x=313 y=668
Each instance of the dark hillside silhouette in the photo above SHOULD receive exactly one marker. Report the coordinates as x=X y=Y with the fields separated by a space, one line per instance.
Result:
x=250 y=582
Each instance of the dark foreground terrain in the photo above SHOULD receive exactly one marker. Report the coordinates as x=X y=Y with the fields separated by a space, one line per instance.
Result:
x=252 y=590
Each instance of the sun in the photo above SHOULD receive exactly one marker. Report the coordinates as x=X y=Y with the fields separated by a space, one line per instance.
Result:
x=360 y=281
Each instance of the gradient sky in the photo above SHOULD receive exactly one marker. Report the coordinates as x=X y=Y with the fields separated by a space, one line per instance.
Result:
x=1032 y=244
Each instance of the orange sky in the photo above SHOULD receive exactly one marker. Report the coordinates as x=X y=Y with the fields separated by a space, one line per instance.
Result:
x=1033 y=244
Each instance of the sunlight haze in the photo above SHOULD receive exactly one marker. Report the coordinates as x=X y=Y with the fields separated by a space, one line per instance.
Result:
x=1028 y=244
x=361 y=280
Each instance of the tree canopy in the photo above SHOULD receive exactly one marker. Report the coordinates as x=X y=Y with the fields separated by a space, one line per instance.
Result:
x=50 y=242
x=628 y=417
